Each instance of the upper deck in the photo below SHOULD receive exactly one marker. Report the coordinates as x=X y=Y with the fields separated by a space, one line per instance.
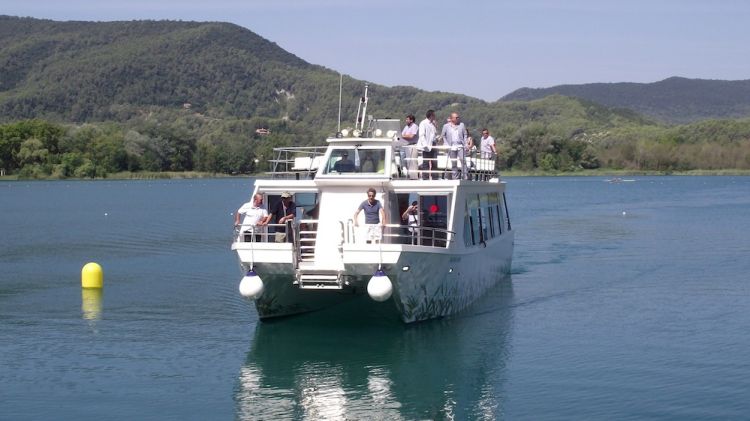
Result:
x=379 y=154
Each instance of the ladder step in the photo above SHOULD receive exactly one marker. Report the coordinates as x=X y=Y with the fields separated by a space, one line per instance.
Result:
x=319 y=280
x=316 y=277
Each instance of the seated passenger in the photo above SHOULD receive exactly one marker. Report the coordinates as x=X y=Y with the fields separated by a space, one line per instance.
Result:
x=369 y=164
x=344 y=164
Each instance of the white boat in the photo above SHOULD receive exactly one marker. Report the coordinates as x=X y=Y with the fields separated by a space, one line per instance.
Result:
x=461 y=246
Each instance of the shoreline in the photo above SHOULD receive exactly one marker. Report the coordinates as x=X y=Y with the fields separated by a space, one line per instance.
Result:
x=173 y=175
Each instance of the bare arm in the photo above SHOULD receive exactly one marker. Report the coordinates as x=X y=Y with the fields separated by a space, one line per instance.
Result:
x=355 y=216
x=382 y=217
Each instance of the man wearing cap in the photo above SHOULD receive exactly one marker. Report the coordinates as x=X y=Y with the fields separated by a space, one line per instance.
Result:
x=256 y=218
x=283 y=211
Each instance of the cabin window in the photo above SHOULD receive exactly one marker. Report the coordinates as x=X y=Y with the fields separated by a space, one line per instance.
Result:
x=434 y=210
x=306 y=205
x=356 y=160
x=492 y=221
x=370 y=161
x=483 y=226
x=468 y=238
x=505 y=211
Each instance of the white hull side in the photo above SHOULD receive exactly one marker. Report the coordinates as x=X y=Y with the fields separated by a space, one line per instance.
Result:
x=439 y=282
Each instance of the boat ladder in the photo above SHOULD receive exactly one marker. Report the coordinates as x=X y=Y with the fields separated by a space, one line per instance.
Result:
x=306 y=241
x=319 y=279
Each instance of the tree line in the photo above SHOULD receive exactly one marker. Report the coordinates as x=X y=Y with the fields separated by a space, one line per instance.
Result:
x=42 y=149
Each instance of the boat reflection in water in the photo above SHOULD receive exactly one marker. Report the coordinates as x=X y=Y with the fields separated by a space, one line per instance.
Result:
x=332 y=366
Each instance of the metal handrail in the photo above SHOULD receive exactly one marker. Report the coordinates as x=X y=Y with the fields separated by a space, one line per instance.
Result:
x=263 y=232
x=479 y=169
x=425 y=236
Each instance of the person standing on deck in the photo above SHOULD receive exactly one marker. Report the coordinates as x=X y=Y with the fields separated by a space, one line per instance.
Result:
x=410 y=134
x=487 y=146
x=284 y=211
x=454 y=133
x=374 y=216
x=425 y=142
x=411 y=216
x=256 y=218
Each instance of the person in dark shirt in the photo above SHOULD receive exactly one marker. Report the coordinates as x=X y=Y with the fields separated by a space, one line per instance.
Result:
x=283 y=211
x=344 y=164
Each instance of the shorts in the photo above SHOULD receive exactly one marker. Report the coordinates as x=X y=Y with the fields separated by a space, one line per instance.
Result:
x=374 y=232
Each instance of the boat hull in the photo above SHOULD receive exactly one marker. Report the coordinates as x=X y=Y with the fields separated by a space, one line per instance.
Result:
x=427 y=282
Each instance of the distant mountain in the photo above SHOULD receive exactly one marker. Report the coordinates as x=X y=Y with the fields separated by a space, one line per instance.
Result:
x=673 y=100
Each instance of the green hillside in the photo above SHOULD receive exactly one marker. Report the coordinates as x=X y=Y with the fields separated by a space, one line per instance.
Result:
x=85 y=99
x=673 y=100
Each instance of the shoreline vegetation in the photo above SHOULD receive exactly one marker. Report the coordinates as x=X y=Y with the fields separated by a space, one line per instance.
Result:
x=172 y=148
x=177 y=175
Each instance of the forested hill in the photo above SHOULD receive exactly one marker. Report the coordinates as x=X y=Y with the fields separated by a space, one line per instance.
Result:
x=110 y=71
x=82 y=71
x=673 y=100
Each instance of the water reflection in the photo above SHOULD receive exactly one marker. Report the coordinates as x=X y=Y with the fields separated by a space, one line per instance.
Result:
x=91 y=304
x=323 y=366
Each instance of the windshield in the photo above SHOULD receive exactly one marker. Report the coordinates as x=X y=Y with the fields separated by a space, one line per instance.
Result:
x=366 y=161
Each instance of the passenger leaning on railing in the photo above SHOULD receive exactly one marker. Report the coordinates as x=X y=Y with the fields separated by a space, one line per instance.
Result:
x=256 y=218
x=283 y=211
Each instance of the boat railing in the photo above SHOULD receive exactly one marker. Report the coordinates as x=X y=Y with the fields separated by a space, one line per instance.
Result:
x=296 y=162
x=303 y=236
x=479 y=167
x=401 y=234
x=302 y=162
x=417 y=235
x=278 y=233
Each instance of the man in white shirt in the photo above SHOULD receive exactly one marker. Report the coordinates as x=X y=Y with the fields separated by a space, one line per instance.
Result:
x=454 y=134
x=427 y=134
x=410 y=134
x=487 y=145
x=256 y=218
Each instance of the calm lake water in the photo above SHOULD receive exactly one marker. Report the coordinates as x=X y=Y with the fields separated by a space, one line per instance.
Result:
x=627 y=301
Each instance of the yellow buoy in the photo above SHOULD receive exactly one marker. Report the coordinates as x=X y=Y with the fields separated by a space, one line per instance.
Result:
x=92 y=276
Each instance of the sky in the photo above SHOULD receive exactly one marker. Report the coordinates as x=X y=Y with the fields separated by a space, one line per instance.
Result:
x=485 y=49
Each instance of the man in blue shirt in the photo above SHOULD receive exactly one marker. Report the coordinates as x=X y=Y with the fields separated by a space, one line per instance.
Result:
x=374 y=216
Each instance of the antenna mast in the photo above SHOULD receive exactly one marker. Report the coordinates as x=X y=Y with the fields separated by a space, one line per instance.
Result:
x=361 y=122
x=341 y=82
x=364 y=109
